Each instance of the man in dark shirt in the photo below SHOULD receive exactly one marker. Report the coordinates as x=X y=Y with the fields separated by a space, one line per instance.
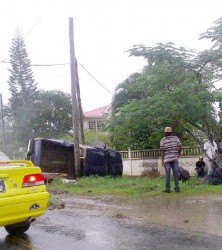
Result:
x=200 y=167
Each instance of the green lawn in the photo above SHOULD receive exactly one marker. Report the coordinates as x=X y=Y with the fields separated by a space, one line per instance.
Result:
x=135 y=186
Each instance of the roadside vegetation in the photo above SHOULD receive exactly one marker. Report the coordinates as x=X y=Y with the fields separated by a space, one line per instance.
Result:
x=133 y=186
x=177 y=87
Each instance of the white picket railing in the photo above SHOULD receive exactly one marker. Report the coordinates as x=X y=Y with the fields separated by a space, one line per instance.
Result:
x=155 y=153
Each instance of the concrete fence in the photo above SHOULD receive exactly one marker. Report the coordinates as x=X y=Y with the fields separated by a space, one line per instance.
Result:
x=148 y=162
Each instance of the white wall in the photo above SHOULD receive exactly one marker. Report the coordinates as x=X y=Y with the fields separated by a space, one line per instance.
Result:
x=153 y=167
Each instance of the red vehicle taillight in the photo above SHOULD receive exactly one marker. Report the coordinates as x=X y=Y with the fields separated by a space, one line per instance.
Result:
x=33 y=180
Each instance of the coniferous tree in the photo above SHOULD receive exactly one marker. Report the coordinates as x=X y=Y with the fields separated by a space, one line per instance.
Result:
x=23 y=90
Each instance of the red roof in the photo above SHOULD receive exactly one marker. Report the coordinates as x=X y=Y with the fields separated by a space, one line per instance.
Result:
x=100 y=112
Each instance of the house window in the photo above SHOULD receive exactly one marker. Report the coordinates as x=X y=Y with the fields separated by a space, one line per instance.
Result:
x=92 y=125
x=99 y=125
x=95 y=125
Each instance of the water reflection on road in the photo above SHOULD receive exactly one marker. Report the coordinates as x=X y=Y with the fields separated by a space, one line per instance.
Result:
x=125 y=223
x=197 y=213
x=17 y=242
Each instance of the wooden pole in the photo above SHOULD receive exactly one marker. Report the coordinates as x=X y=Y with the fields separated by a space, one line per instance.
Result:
x=82 y=137
x=75 y=170
x=3 y=126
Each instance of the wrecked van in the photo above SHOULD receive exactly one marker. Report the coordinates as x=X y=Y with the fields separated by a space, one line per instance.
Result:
x=57 y=156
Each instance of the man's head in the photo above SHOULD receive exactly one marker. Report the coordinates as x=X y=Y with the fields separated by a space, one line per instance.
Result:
x=168 y=131
x=201 y=158
x=210 y=137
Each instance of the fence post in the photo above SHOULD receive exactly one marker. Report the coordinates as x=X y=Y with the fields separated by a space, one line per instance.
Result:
x=130 y=160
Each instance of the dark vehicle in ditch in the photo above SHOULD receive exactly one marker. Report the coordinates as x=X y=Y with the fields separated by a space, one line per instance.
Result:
x=57 y=156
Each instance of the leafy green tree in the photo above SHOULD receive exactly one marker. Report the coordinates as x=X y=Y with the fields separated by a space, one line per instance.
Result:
x=175 y=89
x=213 y=58
x=53 y=117
x=23 y=89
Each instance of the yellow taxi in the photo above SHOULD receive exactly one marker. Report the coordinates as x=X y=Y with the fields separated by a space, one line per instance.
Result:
x=23 y=195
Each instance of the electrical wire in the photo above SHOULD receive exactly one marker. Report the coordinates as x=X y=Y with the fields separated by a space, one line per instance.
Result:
x=41 y=65
x=64 y=64
x=95 y=79
x=33 y=26
x=57 y=64
x=29 y=31
x=49 y=65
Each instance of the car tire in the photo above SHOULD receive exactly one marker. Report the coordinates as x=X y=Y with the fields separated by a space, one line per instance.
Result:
x=18 y=228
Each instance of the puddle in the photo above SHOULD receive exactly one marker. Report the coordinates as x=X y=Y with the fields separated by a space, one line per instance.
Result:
x=201 y=213
x=197 y=213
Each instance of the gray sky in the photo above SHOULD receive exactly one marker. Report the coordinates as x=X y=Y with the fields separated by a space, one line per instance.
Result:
x=103 y=30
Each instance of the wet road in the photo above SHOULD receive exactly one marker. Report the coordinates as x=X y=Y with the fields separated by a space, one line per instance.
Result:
x=111 y=223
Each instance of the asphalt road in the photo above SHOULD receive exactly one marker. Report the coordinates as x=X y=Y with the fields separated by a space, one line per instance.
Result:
x=108 y=223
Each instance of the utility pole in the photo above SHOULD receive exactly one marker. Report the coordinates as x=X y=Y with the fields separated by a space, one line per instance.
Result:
x=82 y=137
x=75 y=170
x=3 y=125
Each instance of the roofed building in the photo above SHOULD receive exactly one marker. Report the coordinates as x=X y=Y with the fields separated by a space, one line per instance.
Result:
x=95 y=119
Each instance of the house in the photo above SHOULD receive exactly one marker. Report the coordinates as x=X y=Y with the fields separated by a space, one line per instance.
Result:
x=95 y=119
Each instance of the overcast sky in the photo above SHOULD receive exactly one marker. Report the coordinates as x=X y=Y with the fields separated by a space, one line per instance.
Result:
x=103 y=30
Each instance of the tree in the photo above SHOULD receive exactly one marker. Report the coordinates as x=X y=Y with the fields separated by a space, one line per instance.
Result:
x=97 y=139
x=24 y=93
x=53 y=117
x=214 y=60
x=174 y=89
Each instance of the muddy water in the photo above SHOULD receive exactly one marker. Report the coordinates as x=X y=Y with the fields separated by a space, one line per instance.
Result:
x=197 y=213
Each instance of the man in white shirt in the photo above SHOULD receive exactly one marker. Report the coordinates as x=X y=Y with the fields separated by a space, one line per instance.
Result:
x=211 y=153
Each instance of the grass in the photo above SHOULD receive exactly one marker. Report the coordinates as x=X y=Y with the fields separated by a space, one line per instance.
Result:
x=135 y=186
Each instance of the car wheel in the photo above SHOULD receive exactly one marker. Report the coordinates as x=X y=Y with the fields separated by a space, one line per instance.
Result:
x=18 y=228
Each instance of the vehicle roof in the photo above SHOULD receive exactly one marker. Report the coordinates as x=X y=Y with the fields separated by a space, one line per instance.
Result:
x=71 y=144
x=63 y=142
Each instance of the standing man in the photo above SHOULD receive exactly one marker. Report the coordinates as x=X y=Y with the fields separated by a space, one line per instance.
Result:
x=170 y=147
x=211 y=153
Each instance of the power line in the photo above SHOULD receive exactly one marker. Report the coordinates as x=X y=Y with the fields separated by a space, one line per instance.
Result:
x=57 y=64
x=3 y=61
x=41 y=65
x=64 y=64
x=95 y=79
x=49 y=65
x=30 y=30
x=33 y=26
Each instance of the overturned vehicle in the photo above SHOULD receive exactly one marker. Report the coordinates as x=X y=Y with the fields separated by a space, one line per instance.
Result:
x=57 y=156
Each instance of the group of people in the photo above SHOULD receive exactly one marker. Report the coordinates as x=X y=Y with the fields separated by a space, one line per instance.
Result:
x=171 y=147
x=212 y=159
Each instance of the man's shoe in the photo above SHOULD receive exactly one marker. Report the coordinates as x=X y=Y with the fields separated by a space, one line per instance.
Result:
x=177 y=191
x=166 y=191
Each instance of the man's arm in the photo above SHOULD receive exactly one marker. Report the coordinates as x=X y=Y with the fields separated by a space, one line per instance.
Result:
x=162 y=150
x=218 y=153
x=216 y=149
x=205 y=151
x=162 y=157
x=179 y=146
